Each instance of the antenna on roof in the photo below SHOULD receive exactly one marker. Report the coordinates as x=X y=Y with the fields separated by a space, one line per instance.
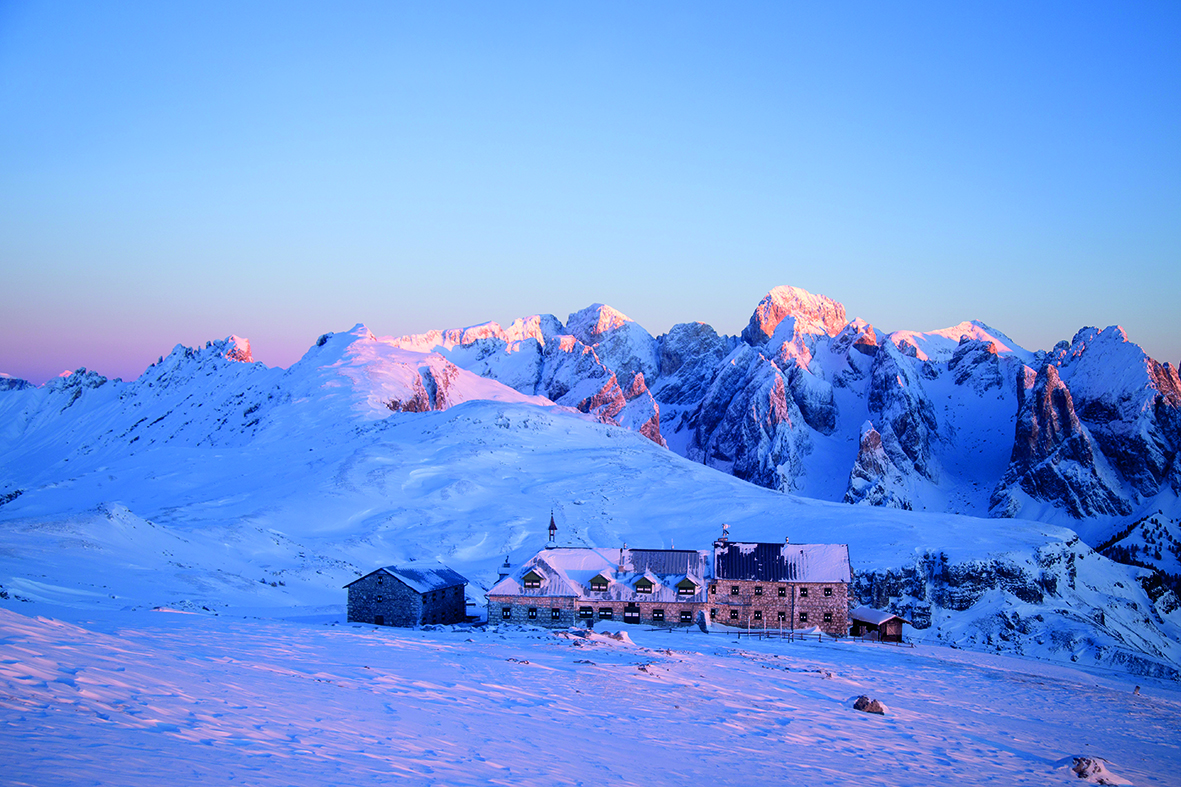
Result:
x=787 y=539
x=725 y=530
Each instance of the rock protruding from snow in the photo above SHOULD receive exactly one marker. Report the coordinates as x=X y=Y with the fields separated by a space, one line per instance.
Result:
x=689 y=354
x=866 y=705
x=813 y=314
x=903 y=411
x=621 y=344
x=10 y=383
x=1095 y=770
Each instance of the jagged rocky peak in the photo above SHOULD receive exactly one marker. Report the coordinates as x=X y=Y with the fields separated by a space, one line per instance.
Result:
x=234 y=348
x=620 y=343
x=813 y=314
x=595 y=320
x=874 y=479
x=857 y=335
x=1054 y=458
x=688 y=355
x=10 y=383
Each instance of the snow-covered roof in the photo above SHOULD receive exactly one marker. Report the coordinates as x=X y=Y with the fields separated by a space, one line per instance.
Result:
x=782 y=562
x=421 y=579
x=567 y=571
x=873 y=616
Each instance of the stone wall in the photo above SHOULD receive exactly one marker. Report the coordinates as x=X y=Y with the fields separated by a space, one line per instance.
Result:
x=385 y=600
x=570 y=611
x=759 y=605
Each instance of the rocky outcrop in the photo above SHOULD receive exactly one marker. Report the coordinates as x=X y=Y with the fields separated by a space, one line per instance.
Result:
x=13 y=383
x=1054 y=458
x=1056 y=600
x=874 y=480
x=748 y=424
x=903 y=412
x=689 y=354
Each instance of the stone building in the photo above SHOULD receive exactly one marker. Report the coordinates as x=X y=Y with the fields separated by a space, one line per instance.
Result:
x=781 y=586
x=745 y=584
x=408 y=596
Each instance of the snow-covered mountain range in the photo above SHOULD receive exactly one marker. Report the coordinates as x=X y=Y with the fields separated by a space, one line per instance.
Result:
x=215 y=481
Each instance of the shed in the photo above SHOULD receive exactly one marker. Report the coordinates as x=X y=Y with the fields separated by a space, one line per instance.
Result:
x=408 y=596
x=884 y=626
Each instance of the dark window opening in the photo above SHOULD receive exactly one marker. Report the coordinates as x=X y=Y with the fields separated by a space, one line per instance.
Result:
x=379 y=599
x=555 y=613
x=506 y=613
x=713 y=614
x=532 y=584
x=758 y=614
x=713 y=588
x=803 y=617
x=599 y=586
x=758 y=590
x=803 y=592
x=828 y=591
x=782 y=592
x=586 y=612
x=533 y=613
x=686 y=590
x=686 y=616
x=658 y=615
x=733 y=614
x=606 y=613
x=828 y=617
x=733 y=590
x=782 y=616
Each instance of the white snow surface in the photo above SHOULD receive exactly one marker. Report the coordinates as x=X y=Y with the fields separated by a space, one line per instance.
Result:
x=147 y=698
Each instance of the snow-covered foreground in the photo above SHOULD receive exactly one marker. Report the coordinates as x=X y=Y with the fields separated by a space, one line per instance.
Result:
x=158 y=697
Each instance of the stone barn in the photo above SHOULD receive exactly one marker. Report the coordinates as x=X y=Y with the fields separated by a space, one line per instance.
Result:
x=876 y=624
x=408 y=596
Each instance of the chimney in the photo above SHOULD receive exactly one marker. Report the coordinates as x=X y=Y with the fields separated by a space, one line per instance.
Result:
x=504 y=570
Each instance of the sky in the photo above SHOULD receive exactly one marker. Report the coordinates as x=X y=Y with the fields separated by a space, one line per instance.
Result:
x=174 y=173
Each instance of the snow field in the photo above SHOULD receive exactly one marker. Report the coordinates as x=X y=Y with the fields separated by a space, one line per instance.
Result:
x=151 y=697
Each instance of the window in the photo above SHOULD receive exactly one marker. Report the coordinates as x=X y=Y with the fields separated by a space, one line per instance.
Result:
x=782 y=616
x=658 y=616
x=606 y=613
x=758 y=614
x=531 y=580
x=379 y=599
x=758 y=590
x=828 y=591
x=506 y=613
x=644 y=586
x=713 y=588
x=733 y=614
x=803 y=592
x=828 y=617
x=733 y=590
x=555 y=613
x=687 y=589
x=598 y=584
x=782 y=591
x=686 y=616
x=803 y=617
x=586 y=612
x=713 y=614
x=533 y=613
x=631 y=614
x=379 y=580
x=532 y=583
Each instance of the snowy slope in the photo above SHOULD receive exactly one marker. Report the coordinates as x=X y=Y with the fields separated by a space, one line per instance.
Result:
x=137 y=699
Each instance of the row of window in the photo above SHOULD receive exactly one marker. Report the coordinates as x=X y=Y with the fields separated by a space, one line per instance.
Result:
x=686 y=616
x=736 y=590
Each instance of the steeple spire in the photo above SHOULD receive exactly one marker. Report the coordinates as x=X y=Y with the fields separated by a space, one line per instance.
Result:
x=553 y=527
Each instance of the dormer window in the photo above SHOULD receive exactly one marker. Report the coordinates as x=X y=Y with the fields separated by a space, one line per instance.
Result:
x=686 y=587
x=599 y=583
x=644 y=585
x=531 y=580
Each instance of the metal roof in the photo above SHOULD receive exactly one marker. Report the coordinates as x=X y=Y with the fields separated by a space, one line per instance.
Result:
x=743 y=560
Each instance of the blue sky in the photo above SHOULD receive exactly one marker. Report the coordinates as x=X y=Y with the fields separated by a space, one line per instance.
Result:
x=179 y=172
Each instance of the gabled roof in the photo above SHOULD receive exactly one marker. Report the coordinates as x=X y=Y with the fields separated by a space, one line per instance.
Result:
x=875 y=617
x=421 y=579
x=745 y=560
x=568 y=571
